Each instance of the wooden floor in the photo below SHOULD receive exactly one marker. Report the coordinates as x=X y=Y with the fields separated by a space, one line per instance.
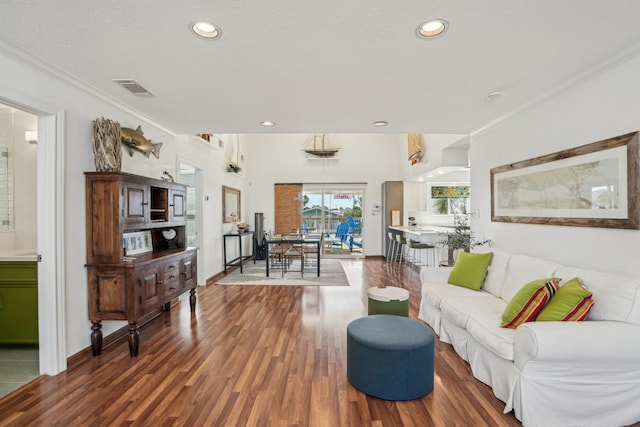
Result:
x=252 y=355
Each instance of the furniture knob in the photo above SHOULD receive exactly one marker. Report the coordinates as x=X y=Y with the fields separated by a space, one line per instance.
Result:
x=171 y=267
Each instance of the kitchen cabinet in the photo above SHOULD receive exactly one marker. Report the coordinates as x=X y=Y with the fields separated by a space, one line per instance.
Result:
x=19 y=302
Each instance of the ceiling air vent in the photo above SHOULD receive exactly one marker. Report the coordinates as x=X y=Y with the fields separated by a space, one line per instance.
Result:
x=133 y=86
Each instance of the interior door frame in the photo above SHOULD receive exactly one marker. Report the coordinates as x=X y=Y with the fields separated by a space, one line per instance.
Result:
x=50 y=228
x=199 y=227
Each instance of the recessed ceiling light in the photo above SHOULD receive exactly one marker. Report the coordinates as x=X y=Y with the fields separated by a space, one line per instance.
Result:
x=267 y=124
x=431 y=28
x=380 y=123
x=493 y=96
x=205 y=30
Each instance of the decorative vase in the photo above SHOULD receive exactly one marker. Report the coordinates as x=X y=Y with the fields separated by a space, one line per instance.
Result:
x=450 y=255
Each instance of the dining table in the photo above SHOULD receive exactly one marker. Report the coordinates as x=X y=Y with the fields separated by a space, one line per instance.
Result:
x=294 y=245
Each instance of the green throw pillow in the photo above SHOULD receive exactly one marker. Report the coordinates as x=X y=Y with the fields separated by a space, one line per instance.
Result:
x=571 y=302
x=470 y=270
x=528 y=302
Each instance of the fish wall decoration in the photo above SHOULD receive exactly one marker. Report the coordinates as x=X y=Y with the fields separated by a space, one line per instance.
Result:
x=134 y=140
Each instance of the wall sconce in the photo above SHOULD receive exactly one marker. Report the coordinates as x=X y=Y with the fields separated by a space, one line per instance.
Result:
x=31 y=136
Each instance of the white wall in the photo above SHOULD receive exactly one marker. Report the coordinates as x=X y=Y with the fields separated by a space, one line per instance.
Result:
x=30 y=85
x=364 y=158
x=598 y=109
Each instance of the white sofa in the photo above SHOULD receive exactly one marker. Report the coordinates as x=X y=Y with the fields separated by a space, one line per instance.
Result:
x=549 y=373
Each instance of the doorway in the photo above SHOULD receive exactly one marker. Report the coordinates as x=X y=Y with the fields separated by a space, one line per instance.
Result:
x=335 y=210
x=19 y=349
x=50 y=229
x=190 y=174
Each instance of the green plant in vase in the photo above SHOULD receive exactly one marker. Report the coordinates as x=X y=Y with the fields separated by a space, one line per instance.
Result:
x=461 y=238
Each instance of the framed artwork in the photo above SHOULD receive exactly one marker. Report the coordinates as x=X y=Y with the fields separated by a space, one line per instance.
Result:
x=395 y=217
x=137 y=242
x=230 y=204
x=594 y=185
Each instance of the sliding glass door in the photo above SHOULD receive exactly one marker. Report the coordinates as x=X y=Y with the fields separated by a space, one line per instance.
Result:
x=335 y=211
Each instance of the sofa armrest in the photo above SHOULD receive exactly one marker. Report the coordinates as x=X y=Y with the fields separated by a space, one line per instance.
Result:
x=435 y=274
x=577 y=344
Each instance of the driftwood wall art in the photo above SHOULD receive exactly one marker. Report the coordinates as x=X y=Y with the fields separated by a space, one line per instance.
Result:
x=107 y=150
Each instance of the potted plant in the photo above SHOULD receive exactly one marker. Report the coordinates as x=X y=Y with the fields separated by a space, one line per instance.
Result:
x=461 y=238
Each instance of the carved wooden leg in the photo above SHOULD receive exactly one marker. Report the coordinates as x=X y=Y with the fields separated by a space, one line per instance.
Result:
x=96 y=338
x=192 y=299
x=134 y=339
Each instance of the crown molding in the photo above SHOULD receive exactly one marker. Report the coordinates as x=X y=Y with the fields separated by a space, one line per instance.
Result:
x=26 y=58
x=621 y=58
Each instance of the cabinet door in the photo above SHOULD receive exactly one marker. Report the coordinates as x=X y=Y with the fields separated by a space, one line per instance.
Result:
x=135 y=199
x=150 y=281
x=177 y=205
x=19 y=314
x=189 y=272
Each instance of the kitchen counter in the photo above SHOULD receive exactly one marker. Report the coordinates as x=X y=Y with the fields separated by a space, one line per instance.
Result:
x=17 y=256
x=421 y=230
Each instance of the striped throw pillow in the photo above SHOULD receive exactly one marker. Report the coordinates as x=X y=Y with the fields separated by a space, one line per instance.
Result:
x=528 y=302
x=572 y=302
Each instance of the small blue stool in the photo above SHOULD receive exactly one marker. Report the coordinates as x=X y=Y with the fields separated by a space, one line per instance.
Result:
x=390 y=357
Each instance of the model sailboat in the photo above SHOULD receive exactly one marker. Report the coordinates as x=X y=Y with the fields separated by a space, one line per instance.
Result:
x=319 y=146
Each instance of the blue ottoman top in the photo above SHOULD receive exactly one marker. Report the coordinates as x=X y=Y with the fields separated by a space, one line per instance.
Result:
x=388 y=331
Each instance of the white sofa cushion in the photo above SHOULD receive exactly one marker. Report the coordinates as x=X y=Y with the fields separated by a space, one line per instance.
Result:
x=434 y=293
x=485 y=328
x=459 y=309
x=615 y=297
x=496 y=272
x=521 y=270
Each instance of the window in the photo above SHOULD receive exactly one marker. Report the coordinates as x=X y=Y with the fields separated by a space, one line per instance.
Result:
x=6 y=191
x=450 y=199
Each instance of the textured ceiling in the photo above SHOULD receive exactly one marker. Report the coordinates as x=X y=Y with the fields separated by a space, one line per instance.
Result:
x=325 y=66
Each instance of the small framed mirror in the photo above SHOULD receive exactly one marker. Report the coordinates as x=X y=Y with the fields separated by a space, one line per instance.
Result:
x=230 y=204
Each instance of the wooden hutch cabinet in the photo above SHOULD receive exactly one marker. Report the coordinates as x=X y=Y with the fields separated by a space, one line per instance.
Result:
x=129 y=287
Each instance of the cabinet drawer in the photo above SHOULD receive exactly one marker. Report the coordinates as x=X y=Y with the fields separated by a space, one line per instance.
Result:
x=171 y=280
x=171 y=268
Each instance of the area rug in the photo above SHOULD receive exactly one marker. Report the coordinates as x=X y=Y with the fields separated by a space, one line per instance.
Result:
x=331 y=274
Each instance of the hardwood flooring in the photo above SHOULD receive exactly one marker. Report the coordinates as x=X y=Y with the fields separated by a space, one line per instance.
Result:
x=252 y=356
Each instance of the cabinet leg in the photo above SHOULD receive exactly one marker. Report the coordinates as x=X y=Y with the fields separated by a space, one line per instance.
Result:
x=192 y=300
x=96 y=338
x=134 y=339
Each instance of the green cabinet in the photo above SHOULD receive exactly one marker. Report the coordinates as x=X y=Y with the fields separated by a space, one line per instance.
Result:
x=18 y=302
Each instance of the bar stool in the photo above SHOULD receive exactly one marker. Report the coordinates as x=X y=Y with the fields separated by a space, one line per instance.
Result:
x=414 y=246
x=391 y=245
x=402 y=243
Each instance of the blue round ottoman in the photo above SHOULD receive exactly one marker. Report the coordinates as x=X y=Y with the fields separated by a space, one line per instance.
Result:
x=390 y=357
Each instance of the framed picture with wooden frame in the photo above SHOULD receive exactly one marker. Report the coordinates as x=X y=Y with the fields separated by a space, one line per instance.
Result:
x=395 y=217
x=230 y=204
x=594 y=185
